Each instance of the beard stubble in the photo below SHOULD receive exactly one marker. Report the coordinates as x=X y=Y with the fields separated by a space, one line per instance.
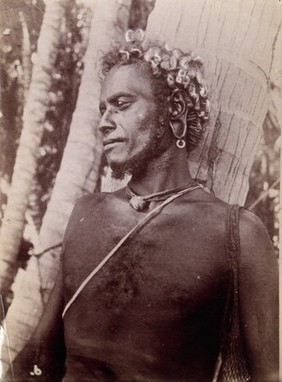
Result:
x=158 y=143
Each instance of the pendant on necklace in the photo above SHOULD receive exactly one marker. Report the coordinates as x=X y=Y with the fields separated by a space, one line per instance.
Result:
x=138 y=203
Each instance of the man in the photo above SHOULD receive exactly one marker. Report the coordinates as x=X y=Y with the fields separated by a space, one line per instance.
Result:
x=191 y=293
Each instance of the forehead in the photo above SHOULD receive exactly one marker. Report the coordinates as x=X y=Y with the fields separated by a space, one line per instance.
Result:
x=128 y=79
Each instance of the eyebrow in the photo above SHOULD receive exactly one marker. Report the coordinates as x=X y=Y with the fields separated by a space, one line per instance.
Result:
x=114 y=97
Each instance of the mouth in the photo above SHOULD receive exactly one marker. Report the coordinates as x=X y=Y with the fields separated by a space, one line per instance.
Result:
x=109 y=143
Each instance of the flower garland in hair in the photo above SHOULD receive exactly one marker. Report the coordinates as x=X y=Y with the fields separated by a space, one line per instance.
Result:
x=182 y=70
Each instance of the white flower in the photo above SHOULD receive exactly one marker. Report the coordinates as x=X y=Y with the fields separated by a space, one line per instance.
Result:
x=177 y=53
x=132 y=36
x=192 y=90
x=170 y=80
x=137 y=52
x=125 y=53
x=168 y=62
x=184 y=62
x=192 y=73
x=203 y=91
x=186 y=81
x=153 y=53
x=179 y=80
x=182 y=73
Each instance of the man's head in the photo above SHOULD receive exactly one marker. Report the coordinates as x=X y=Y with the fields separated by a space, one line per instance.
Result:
x=151 y=98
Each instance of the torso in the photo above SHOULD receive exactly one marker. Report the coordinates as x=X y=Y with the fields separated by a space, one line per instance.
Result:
x=154 y=311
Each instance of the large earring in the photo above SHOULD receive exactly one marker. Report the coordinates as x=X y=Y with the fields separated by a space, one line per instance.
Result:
x=179 y=131
x=180 y=143
x=178 y=118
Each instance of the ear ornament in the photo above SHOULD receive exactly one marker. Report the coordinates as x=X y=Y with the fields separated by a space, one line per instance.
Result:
x=180 y=143
x=178 y=118
x=179 y=128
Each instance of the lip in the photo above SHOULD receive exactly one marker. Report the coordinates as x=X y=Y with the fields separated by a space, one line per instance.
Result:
x=108 y=143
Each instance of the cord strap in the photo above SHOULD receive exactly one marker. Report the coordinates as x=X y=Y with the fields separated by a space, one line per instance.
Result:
x=154 y=212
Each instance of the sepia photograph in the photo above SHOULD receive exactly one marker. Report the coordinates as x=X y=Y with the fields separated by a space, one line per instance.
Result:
x=140 y=190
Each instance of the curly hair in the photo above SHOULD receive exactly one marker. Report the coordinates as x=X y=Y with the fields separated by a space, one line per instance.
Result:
x=171 y=69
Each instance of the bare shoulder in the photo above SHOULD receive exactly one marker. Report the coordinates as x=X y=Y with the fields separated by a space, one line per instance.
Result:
x=251 y=226
x=256 y=247
x=97 y=198
x=90 y=199
x=87 y=204
x=208 y=206
x=258 y=290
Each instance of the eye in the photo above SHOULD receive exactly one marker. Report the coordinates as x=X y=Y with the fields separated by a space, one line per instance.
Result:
x=122 y=105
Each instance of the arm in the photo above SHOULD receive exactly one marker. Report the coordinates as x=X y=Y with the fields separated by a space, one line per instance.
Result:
x=46 y=347
x=258 y=296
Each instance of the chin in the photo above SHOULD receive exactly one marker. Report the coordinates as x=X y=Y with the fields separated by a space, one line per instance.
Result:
x=118 y=169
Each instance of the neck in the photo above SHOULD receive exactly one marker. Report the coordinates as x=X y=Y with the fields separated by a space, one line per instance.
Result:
x=166 y=172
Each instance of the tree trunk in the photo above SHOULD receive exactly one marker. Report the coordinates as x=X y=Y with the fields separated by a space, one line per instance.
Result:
x=83 y=150
x=26 y=56
x=78 y=175
x=25 y=165
x=237 y=40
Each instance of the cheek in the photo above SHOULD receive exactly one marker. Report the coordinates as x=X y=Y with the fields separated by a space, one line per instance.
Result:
x=132 y=121
x=146 y=112
x=142 y=119
x=146 y=120
x=142 y=115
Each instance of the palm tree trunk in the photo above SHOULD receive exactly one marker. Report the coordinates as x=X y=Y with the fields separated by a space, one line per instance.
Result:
x=25 y=165
x=237 y=40
x=79 y=174
x=26 y=56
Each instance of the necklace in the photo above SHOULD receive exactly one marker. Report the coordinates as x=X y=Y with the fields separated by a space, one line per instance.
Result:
x=140 y=203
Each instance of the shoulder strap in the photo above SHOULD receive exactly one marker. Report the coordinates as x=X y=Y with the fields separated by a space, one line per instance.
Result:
x=233 y=250
x=154 y=212
x=231 y=364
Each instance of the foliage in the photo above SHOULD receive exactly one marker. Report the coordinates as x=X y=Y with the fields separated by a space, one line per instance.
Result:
x=12 y=73
x=62 y=96
x=139 y=13
x=62 y=100
x=12 y=79
x=263 y=196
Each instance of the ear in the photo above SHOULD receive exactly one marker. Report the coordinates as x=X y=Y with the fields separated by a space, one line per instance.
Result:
x=177 y=104
x=178 y=109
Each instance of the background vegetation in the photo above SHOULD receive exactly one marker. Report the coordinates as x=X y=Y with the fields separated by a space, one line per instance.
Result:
x=51 y=153
x=20 y=27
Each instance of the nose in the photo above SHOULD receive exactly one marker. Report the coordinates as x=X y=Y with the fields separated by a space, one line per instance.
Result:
x=107 y=124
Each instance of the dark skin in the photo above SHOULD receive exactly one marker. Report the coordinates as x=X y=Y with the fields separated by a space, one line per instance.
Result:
x=258 y=277
x=128 y=124
x=126 y=106
x=259 y=298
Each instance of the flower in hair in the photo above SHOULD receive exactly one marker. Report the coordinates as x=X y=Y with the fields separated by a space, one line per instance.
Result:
x=180 y=70
x=170 y=80
x=153 y=55
x=186 y=81
x=184 y=61
x=124 y=54
x=132 y=36
x=169 y=62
